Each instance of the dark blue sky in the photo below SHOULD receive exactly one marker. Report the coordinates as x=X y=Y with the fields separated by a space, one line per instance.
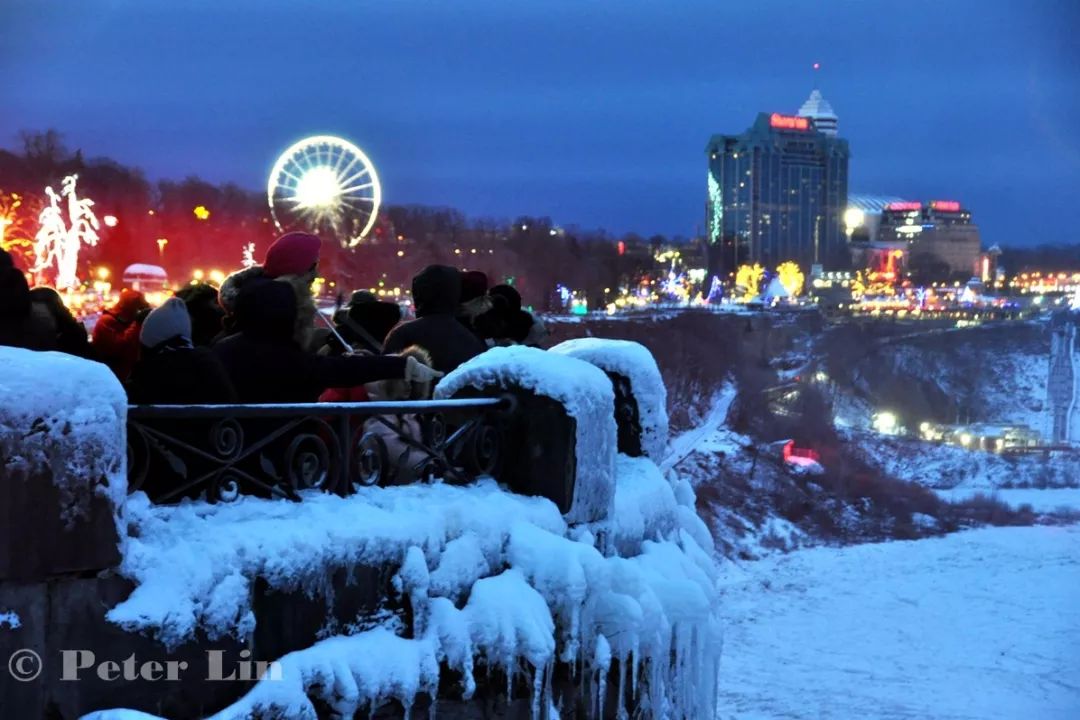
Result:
x=595 y=113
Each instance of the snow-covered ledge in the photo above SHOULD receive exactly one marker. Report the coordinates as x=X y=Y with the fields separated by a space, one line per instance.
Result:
x=585 y=394
x=63 y=464
x=635 y=363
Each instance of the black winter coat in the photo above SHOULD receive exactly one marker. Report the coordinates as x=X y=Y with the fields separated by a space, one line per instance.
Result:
x=182 y=376
x=266 y=365
x=267 y=371
x=436 y=292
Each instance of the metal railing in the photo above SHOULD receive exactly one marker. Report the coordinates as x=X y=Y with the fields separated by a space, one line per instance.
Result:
x=222 y=451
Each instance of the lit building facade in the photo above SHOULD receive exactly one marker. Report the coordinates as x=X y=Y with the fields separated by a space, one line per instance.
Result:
x=778 y=192
x=939 y=235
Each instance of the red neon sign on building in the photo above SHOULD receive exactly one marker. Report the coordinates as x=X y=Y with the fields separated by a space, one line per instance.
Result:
x=903 y=206
x=789 y=122
x=946 y=205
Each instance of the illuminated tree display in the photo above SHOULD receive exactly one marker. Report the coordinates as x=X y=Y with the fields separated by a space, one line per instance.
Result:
x=67 y=223
x=15 y=237
x=748 y=277
x=248 y=260
x=791 y=277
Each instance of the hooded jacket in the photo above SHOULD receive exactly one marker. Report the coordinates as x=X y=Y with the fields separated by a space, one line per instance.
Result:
x=267 y=365
x=173 y=372
x=304 y=318
x=116 y=334
x=436 y=294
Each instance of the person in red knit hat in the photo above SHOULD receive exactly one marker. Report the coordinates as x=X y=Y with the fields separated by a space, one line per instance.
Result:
x=295 y=253
x=292 y=258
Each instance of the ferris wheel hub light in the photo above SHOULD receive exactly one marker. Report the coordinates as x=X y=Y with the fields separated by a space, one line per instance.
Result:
x=324 y=184
x=318 y=188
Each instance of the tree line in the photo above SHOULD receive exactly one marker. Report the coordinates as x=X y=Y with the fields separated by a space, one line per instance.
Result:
x=206 y=225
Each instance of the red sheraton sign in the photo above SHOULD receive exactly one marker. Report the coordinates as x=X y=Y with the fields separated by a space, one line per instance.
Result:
x=788 y=122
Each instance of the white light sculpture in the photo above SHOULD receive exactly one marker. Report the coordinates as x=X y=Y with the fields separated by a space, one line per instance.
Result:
x=64 y=230
x=248 y=259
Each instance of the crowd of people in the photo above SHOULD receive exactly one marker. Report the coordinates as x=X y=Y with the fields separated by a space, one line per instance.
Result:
x=260 y=338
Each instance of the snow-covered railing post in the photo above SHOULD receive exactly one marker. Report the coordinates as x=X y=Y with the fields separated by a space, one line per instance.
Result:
x=640 y=395
x=62 y=465
x=62 y=482
x=560 y=440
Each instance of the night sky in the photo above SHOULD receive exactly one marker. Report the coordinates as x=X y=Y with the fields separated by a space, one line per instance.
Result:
x=595 y=113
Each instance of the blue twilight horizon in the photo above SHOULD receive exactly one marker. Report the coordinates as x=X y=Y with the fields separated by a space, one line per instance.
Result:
x=594 y=113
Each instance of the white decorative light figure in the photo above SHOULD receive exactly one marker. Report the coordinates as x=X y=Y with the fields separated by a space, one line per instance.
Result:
x=61 y=237
x=249 y=256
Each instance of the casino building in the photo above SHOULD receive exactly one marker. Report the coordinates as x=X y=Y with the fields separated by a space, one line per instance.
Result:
x=939 y=235
x=778 y=191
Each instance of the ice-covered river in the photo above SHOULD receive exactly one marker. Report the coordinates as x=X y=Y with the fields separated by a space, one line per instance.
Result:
x=979 y=624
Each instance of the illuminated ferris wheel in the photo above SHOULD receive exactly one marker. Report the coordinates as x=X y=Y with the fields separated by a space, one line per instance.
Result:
x=325 y=185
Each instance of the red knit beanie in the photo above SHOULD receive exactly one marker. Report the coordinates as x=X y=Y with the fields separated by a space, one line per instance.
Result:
x=291 y=254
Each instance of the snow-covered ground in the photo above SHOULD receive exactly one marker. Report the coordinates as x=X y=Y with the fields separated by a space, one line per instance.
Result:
x=979 y=624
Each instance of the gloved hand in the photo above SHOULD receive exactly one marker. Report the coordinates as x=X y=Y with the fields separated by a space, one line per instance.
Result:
x=416 y=371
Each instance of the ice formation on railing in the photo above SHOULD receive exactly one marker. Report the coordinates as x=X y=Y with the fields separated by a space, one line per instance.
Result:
x=633 y=361
x=495 y=581
x=581 y=388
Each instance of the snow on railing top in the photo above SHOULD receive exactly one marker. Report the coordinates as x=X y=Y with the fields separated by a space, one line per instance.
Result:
x=633 y=361
x=581 y=388
x=68 y=415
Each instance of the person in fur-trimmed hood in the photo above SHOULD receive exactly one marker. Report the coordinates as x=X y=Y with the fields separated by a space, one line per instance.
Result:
x=292 y=258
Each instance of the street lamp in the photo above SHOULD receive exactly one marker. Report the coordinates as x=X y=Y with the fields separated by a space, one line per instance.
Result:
x=853 y=218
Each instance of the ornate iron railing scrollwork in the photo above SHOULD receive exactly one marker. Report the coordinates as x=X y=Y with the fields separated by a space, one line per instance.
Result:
x=221 y=452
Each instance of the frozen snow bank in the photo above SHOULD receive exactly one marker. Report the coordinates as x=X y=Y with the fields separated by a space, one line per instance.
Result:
x=66 y=417
x=495 y=581
x=194 y=563
x=586 y=393
x=633 y=361
x=977 y=624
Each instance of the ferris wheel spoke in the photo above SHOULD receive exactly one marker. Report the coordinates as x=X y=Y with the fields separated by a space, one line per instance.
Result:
x=364 y=186
x=286 y=173
x=343 y=174
x=364 y=171
x=341 y=158
x=354 y=204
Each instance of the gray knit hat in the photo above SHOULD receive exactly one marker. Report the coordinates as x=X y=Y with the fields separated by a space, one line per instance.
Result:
x=166 y=322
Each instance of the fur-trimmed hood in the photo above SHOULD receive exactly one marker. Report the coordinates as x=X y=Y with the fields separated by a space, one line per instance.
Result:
x=304 y=325
x=234 y=284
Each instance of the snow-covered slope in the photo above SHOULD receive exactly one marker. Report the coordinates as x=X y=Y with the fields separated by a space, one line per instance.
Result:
x=948 y=466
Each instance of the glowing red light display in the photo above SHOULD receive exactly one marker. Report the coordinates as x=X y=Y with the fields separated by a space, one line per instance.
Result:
x=904 y=206
x=946 y=205
x=789 y=122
